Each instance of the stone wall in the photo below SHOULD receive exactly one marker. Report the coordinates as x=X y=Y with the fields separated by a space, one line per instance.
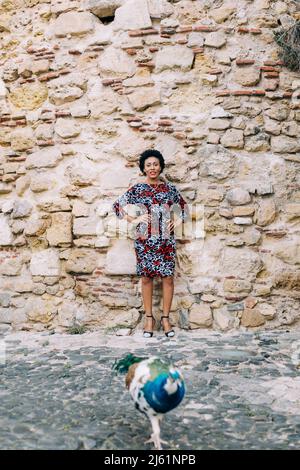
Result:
x=85 y=87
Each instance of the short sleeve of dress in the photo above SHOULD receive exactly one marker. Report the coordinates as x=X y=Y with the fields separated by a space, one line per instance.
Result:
x=122 y=201
x=181 y=203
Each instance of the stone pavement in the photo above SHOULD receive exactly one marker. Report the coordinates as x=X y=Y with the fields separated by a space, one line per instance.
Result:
x=58 y=391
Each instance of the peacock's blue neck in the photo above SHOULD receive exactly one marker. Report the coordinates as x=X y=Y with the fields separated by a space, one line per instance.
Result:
x=158 y=397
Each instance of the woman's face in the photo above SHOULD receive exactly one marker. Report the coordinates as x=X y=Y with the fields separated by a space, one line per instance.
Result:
x=152 y=167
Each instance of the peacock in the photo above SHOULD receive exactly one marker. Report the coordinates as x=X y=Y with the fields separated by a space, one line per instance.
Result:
x=156 y=387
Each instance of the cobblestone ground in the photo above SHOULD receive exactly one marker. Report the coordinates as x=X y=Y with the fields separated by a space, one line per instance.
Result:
x=58 y=391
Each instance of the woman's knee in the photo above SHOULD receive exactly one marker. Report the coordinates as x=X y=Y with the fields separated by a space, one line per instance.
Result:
x=168 y=280
x=146 y=281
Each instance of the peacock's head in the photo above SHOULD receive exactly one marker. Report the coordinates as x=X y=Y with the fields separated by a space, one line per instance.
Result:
x=173 y=382
x=174 y=375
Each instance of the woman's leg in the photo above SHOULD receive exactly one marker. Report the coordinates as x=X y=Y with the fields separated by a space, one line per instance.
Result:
x=168 y=290
x=147 y=292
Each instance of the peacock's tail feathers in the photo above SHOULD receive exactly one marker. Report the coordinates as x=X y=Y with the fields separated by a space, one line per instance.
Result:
x=122 y=365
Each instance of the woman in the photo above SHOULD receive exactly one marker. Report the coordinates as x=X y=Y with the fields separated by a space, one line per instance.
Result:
x=155 y=244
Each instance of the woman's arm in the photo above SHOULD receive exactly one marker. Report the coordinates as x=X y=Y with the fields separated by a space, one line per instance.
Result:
x=129 y=218
x=179 y=201
x=180 y=208
x=128 y=198
x=120 y=203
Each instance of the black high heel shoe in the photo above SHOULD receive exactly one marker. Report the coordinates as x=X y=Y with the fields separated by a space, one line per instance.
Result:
x=149 y=334
x=170 y=333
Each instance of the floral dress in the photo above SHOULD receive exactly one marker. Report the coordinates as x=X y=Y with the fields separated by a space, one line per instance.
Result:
x=155 y=245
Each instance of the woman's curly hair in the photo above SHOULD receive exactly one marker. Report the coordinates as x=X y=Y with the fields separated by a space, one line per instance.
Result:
x=151 y=153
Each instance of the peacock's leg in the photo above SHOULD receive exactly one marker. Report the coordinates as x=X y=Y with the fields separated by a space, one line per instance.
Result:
x=155 y=436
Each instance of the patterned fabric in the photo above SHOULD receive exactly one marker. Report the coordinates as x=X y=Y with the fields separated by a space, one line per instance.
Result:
x=155 y=246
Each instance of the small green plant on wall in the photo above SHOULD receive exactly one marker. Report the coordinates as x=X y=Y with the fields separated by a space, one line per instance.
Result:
x=76 y=329
x=289 y=41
